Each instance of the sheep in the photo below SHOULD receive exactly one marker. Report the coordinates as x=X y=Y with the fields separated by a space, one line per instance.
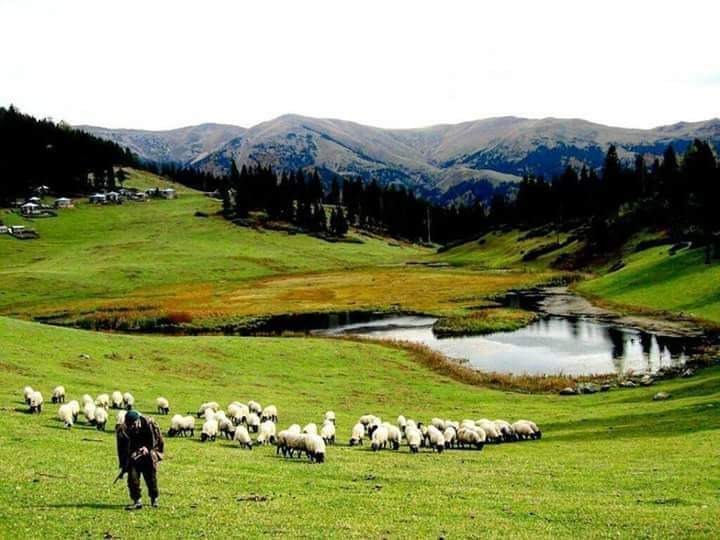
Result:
x=327 y=432
x=402 y=423
x=58 y=394
x=534 y=427
x=212 y=405
x=103 y=400
x=452 y=423
x=438 y=423
x=375 y=423
x=368 y=419
x=36 y=402
x=424 y=432
x=269 y=413
x=414 y=438
x=75 y=408
x=492 y=432
x=468 y=424
x=65 y=413
x=315 y=448
x=267 y=433
x=505 y=429
x=450 y=435
x=116 y=400
x=379 y=438
x=330 y=416
x=394 y=435
x=180 y=425
x=238 y=412
x=255 y=407
x=243 y=437
x=295 y=428
x=128 y=400
x=27 y=392
x=253 y=422
x=87 y=398
x=175 y=425
x=436 y=438
x=225 y=425
x=120 y=418
x=89 y=411
x=310 y=429
x=472 y=437
x=410 y=423
x=101 y=417
x=209 y=414
x=289 y=442
x=209 y=430
x=358 y=432
x=525 y=429
x=163 y=405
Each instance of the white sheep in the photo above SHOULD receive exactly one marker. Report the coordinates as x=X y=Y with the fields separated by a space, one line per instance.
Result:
x=379 y=438
x=295 y=428
x=87 y=398
x=103 y=400
x=163 y=405
x=128 y=400
x=394 y=435
x=450 y=435
x=327 y=432
x=225 y=425
x=310 y=429
x=269 y=413
x=289 y=442
x=437 y=441
x=209 y=430
x=243 y=437
x=253 y=422
x=414 y=438
x=89 y=411
x=402 y=423
x=75 y=408
x=473 y=437
x=36 y=402
x=66 y=415
x=27 y=392
x=330 y=416
x=438 y=423
x=58 y=394
x=209 y=414
x=358 y=432
x=238 y=412
x=116 y=400
x=255 y=407
x=315 y=448
x=181 y=426
x=120 y=418
x=101 y=417
x=505 y=429
x=212 y=405
x=492 y=432
x=267 y=433
x=526 y=430
x=533 y=425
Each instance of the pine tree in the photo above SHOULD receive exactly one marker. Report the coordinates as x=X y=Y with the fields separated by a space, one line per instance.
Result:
x=240 y=189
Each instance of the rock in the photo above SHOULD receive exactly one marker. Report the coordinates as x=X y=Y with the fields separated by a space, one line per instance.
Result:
x=568 y=391
x=587 y=388
x=661 y=396
x=689 y=372
x=647 y=380
x=605 y=387
x=85 y=356
x=628 y=384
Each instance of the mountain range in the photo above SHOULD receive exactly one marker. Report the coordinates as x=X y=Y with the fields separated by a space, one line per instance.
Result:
x=448 y=162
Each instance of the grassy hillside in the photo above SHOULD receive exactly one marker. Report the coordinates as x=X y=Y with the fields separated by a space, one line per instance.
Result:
x=643 y=468
x=654 y=279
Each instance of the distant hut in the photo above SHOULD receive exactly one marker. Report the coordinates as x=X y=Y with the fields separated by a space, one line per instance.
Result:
x=30 y=209
x=97 y=198
x=112 y=196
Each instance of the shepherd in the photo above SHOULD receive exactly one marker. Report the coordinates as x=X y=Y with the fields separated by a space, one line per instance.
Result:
x=140 y=448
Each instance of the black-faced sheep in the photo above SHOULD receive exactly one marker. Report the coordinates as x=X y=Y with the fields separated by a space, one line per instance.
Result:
x=358 y=432
x=58 y=394
x=163 y=405
x=209 y=430
x=267 y=433
x=243 y=437
x=101 y=417
x=36 y=402
x=414 y=438
x=269 y=413
x=116 y=400
x=436 y=439
x=65 y=414
x=327 y=432
x=128 y=400
x=379 y=438
x=27 y=392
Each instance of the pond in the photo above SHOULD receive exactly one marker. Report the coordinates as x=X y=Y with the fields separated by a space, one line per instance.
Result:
x=551 y=345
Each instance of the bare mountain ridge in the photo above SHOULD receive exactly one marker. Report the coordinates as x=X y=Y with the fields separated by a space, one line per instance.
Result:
x=446 y=162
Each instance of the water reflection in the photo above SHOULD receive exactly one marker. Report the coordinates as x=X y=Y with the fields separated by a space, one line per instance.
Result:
x=551 y=345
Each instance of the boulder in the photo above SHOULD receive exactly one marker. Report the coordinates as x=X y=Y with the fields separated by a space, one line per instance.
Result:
x=605 y=387
x=628 y=384
x=568 y=391
x=647 y=380
x=661 y=396
x=587 y=388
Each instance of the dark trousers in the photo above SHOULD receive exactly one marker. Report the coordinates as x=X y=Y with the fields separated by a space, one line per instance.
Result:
x=149 y=473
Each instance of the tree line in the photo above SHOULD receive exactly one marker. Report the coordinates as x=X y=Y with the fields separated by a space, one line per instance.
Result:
x=44 y=153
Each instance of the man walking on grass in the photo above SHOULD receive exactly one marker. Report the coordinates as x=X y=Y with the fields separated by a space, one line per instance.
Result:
x=140 y=447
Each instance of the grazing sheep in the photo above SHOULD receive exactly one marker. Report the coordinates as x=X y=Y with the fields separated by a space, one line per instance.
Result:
x=330 y=416
x=289 y=443
x=66 y=415
x=438 y=423
x=525 y=429
x=36 y=402
x=179 y=425
x=163 y=405
x=255 y=407
x=103 y=400
x=374 y=424
x=327 y=432
x=315 y=448
x=473 y=437
x=505 y=429
x=424 y=432
x=358 y=432
x=175 y=425
x=128 y=400
x=75 y=408
x=209 y=414
x=269 y=413
x=450 y=435
x=101 y=418
x=379 y=438
x=116 y=400
x=437 y=441
x=267 y=433
x=27 y=392
x=253 y=422
x=295 y=428
x=209 y=430
x=58 y=394
x=87 y=398
x=492 y=432
x=238 y=412
x=243 y=437
x=410 y=423
x=225 y=425
x=414 y=438
x=394 y=435
x=402 y=423
x=310 y=429
x=120 y=418
x=212 y=405
x=369 y=420
x=89 y=411
x=533 y=425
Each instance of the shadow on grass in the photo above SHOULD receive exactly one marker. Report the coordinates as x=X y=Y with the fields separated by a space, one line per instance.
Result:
x=92 y=506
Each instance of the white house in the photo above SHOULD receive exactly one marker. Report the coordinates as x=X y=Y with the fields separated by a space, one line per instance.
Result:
x=63 y=202
x=97 y=198
x=30 y=209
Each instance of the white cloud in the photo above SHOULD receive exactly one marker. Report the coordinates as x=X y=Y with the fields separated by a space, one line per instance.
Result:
x=161 y=64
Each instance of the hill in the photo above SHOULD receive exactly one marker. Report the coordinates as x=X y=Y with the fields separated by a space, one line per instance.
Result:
x=612 y=448
x=444 y=162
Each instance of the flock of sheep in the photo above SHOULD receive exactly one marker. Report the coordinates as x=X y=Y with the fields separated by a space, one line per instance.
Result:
x=242 y=419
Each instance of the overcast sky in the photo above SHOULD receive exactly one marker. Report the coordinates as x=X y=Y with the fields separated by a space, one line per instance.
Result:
x=163 y=64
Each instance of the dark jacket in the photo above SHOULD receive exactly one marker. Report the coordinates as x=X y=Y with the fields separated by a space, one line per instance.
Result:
x=140 y=434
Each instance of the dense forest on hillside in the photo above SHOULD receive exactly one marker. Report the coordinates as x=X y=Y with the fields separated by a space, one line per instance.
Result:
x=42 y=153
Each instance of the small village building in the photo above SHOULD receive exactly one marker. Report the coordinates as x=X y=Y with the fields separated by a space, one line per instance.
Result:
x=4 y=229
x=30 y=209
x=97 y=198
x=63 y=202
x=112 y=196
x=17 y=229
x=35 y=200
